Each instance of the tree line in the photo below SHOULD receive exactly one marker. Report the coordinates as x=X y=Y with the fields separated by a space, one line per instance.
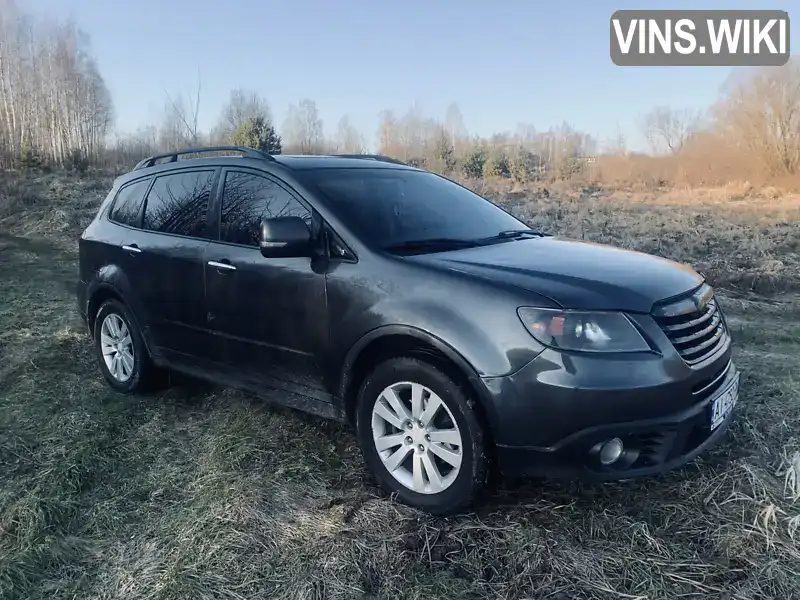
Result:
x=54 y=105
x=55 y=110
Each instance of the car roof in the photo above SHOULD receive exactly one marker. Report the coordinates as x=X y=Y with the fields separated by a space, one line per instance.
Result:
x=170 y=161
x=320 y=161
x=298 y=162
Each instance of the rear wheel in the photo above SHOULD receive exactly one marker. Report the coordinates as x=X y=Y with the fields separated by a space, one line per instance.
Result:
x=421 y=437
x=121 y=351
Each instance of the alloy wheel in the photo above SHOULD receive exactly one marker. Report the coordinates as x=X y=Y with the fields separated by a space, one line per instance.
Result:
x=416 y=437
x=117 y=347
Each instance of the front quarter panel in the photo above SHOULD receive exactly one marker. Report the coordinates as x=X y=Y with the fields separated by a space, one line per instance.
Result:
x=477 y=321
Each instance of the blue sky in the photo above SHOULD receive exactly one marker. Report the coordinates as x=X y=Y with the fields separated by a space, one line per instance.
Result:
x=539 y=62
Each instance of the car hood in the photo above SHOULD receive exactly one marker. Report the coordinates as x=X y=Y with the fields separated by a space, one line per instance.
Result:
x=574 y=274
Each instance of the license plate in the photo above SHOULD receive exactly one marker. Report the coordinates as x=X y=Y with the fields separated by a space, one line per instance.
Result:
x=724 y=403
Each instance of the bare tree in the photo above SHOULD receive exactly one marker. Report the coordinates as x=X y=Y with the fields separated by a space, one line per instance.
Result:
x=348 y=139
x=126 y=150
x=182 y=117
x=669 y=129
x=526 y=135
x=53 y=102
x=243 y=105
x=388 y=142
x=410 y=133
x=455 y=127
x=175 y=130
x=761 y=113
x=618 y=144
x=303 y=128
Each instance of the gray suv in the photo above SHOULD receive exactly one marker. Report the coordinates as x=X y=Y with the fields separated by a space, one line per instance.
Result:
x=450 y=334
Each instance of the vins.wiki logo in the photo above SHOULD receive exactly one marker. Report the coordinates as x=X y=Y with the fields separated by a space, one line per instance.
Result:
x=700 y=37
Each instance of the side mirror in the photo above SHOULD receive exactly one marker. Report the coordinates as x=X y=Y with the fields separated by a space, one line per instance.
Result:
x=284 y=237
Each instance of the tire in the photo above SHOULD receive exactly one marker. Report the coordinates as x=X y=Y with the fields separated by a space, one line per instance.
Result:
x=451 y=489
x=137 y=373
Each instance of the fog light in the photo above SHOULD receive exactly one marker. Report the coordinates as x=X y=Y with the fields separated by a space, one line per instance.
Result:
x=610 y=451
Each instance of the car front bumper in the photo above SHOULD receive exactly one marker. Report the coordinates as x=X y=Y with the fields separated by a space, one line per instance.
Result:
x=550 y=418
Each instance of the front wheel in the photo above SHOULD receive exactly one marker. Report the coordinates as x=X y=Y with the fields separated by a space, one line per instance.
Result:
x=421 y=437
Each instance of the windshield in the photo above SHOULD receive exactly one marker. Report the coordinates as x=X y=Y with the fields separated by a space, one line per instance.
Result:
x=389 y=207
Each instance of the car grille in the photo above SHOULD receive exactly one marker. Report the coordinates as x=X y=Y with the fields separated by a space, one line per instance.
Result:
x=696 y=333
x=709 y=386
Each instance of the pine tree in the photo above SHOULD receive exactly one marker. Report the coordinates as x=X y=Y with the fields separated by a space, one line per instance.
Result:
x=257 y=133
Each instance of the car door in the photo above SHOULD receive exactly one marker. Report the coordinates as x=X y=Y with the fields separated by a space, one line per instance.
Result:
x=269 y=314
x=169 y=253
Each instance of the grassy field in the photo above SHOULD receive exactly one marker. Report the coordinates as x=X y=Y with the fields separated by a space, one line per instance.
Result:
x=199 y=492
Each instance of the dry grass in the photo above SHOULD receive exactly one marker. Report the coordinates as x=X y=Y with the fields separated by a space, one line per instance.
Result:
x=739 y=237
x=201 y=493
x=707 y=161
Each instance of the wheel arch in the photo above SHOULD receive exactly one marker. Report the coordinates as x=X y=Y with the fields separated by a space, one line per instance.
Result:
x=101 y=292
x=104 y=291
x=394 y=341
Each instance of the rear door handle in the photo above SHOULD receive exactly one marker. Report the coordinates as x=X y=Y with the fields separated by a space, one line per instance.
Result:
x=222 y=266
x=132 y=248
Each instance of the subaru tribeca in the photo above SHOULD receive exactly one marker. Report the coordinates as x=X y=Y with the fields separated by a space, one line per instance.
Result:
x=450 y=334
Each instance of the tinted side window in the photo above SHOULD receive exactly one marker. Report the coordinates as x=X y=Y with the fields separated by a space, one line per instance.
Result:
x=178 y=203
x=129 y=202
x=246 y=199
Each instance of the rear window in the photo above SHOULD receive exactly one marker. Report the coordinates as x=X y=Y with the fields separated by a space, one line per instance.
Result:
x=128 y=203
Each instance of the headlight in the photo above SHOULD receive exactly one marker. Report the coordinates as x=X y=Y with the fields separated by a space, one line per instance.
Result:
x=582 y=330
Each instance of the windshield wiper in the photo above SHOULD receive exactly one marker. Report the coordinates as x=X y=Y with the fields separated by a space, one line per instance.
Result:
x=445 y=243
x=432 y=244
x=513 y=234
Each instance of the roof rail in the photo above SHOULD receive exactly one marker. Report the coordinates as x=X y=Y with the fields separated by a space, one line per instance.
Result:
x=379 y=157
x=173 y=156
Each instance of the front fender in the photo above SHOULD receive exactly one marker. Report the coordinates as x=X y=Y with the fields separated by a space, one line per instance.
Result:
x=492 y=346
x=414 y=332
x=403 y=330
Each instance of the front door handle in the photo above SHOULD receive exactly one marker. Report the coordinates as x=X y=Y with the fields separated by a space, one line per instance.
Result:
x=132 y=248
x=222 y=266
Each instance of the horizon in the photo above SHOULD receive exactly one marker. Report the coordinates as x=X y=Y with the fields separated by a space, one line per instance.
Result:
x=386 y=56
